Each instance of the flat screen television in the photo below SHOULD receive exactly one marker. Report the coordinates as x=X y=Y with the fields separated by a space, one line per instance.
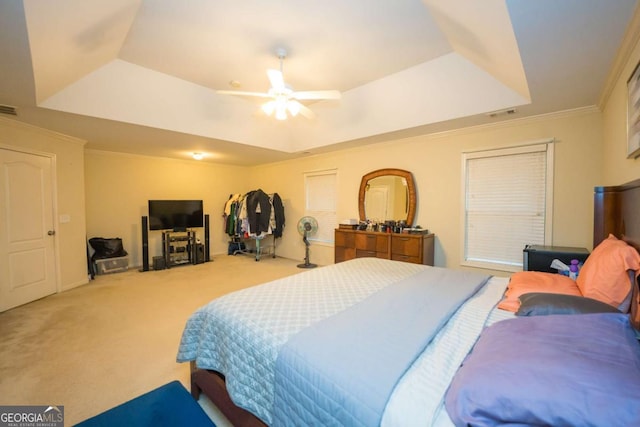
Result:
x=177 y=215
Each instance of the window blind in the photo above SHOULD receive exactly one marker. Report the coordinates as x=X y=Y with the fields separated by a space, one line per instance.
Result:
x=506 y=204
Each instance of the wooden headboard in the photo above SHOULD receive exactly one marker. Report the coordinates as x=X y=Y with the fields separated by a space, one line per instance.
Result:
x=617 y=212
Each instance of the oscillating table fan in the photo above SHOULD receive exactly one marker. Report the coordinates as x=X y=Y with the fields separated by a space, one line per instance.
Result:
x=307 y=226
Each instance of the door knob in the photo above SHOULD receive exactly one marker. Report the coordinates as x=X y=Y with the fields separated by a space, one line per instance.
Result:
x=51 y=232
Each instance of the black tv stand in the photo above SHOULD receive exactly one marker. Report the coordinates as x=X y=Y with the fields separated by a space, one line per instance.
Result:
x=179 y=248
x=190 y=252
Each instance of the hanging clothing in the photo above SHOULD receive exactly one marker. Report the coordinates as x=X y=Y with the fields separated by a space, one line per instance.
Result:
x=230 y=213
x=254 y=215
x=278 y=210
x=258 y=211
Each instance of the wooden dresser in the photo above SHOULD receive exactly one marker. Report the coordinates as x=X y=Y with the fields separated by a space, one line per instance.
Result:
x=415 y=248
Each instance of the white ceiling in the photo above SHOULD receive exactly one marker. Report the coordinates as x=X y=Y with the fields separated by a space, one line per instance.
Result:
x=139 y=76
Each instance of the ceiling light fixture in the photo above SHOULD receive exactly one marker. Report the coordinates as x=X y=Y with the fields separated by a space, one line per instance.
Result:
x=198 y=156
x=284 y=100
x=282 y=97
x=280 y=105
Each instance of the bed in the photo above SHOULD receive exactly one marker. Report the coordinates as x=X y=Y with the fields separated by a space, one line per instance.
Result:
x=379 y=342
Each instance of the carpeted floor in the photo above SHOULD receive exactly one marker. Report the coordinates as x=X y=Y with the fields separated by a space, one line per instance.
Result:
x=99 y=345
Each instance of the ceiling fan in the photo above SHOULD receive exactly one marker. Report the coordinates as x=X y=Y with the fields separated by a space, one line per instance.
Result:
x=283 y=98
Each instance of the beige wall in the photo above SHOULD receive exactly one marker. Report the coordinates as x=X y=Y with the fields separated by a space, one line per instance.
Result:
x=119 y=186
x=69 y=198
x=436 y=164
x=617 y=168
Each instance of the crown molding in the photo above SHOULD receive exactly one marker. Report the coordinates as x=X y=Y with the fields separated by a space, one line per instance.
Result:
x=515 y=122
x=43 y=131
x=629 y=43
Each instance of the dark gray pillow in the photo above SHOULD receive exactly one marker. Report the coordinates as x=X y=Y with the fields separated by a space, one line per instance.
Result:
x=542 y=304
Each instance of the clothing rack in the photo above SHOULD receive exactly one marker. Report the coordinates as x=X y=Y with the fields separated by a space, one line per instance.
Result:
x=253 y=216
x=258 y=246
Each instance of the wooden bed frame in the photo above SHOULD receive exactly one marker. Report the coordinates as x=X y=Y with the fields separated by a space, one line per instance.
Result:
x=212 y=384
x=616 y=211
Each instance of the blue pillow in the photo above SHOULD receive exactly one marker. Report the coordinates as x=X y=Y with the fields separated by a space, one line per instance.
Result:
x=550 y=370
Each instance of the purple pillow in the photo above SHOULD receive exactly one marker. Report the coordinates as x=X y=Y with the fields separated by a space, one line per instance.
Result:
x=550 y=370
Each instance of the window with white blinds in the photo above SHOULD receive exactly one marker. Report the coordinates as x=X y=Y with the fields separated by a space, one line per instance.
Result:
x=320 y=203
x=508 y=197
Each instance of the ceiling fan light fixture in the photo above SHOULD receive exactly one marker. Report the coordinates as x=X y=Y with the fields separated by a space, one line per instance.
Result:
x=280 y=106
x=269 y=107
x=281 y=103
x=293 y=107
x=281 y=114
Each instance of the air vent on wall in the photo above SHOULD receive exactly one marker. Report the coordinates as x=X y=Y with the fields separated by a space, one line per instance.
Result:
x=8 y=109
x=502 y=112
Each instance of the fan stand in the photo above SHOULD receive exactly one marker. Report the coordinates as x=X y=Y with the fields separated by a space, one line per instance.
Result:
x=306 y=264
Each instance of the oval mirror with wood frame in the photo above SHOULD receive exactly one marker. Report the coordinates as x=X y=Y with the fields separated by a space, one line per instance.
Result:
x=387 y=194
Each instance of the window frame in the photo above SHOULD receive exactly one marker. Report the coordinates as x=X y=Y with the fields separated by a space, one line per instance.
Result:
x=546 y=145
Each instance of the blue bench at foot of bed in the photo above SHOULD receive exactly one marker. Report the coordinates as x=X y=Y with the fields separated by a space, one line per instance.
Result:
x=170 y=405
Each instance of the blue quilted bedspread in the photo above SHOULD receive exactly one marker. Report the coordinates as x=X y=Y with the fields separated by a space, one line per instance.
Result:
x=240 y=334
x=342 y=370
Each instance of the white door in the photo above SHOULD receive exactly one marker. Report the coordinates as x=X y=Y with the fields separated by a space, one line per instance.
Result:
x=27 y=250
x=377 y=201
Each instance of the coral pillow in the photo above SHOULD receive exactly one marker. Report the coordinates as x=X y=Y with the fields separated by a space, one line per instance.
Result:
x=604 y=275
x=524 y=282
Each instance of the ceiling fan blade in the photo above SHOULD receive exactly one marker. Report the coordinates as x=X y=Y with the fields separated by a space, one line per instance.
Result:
x=317 y=94
x=296 y=108
x=306 y=112
x=241 y=93
x=276 y=79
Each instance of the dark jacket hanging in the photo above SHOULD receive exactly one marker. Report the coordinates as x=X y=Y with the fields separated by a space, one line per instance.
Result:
x=278 y=209
x=258 y=211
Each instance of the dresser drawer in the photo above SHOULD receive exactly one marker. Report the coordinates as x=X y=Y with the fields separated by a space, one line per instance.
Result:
x=363 y=253
x=376 y=242
x=406 y=245
x=345 y=239
x=345 y=245
x=406 y=258
x=344 y=254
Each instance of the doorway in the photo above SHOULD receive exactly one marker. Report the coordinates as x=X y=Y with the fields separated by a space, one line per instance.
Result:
x=27 y=232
